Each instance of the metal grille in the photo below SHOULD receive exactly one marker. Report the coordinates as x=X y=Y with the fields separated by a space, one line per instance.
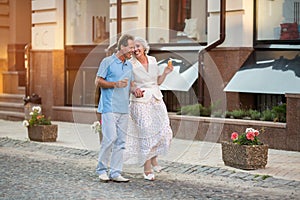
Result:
x=267 y=101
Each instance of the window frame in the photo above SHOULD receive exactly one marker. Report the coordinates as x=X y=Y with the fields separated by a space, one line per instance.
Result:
x=195 y=43
x=257 y=43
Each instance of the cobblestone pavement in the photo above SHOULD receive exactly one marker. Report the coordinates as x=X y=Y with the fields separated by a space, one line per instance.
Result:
x=31 y=170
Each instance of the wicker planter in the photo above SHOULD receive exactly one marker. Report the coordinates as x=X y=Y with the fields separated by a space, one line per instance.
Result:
x=244 y=156
x=43 y=133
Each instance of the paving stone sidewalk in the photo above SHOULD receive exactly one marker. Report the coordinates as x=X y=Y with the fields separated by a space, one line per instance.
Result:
x=195 y=171
x=281 y=164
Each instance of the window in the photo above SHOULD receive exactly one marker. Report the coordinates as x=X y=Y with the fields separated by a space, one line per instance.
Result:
x=87 y=22
x=177 y=21
x=180 y=10
x=87 y=25
x=278 y=21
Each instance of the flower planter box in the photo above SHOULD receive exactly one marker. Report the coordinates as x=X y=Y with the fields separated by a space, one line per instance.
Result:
x=43 y=133
x=244 y=156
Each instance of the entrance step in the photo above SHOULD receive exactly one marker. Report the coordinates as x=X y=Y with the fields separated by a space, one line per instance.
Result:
x=12 y=98
x=12 y=116
x=12 y=107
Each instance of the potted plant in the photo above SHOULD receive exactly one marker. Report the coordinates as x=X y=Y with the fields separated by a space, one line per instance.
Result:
x=245 y=151
x=39 y=127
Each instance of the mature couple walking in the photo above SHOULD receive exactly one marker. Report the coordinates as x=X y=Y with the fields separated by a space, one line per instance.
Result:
x=138 y=133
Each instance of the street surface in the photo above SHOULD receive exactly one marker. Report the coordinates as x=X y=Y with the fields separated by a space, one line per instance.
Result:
x=31 y=170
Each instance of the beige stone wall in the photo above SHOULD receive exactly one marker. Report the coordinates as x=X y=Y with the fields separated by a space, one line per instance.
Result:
x=47 y=24
x=133 y=18
x=3 y=68
x=15 y=31
x=4 y=31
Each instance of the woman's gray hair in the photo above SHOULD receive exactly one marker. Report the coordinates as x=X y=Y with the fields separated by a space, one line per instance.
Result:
x=144 y=43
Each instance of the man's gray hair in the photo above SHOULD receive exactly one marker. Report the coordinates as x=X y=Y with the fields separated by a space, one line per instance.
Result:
x=123 y=40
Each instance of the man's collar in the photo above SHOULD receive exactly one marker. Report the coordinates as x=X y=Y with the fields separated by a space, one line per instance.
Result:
x=118 y=60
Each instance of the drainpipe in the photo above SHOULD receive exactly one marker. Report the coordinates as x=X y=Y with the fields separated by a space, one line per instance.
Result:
x=119 y=18
x=27 y=67
x=210 y=47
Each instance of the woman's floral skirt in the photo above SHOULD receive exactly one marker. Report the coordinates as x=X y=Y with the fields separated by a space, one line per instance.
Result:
x=149 y=133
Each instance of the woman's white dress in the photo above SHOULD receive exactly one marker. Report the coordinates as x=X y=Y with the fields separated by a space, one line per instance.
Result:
x=149 y=133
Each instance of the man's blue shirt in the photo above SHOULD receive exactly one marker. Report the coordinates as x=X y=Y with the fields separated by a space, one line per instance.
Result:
x=116 y=100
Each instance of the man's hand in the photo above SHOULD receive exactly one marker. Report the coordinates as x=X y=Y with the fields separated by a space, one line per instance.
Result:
x=122 y=83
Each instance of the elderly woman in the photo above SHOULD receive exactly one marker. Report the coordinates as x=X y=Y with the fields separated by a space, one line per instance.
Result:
x=149 y=133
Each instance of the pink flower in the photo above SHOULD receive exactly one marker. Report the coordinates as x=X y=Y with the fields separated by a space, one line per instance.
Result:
x=256 y=132
x=250 y=136
x=234 y=135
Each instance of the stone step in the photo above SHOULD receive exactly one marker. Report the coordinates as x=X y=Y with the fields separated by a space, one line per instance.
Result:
x=12 y=98
x=13 y=107
x=12 y=116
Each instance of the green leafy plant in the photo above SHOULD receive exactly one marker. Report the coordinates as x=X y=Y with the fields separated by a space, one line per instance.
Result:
x=267 y=115
x=280 y=113
x=190 y=110
x=205 y=111
x=249 y=137
x=37 y=118
x=238 y=114
x=218 y=113
x=254 y=114
x=196 y=110
x=276 y=114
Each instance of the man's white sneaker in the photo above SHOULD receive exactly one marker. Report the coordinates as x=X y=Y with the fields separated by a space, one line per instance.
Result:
x=103 y=177
x=120 y=179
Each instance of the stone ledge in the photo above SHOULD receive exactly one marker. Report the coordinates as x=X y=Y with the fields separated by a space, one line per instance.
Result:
x=290 y=95
x=228 y=121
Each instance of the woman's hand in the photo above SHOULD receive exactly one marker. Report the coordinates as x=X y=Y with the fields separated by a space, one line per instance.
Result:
x=169 y=68
x=138 y=93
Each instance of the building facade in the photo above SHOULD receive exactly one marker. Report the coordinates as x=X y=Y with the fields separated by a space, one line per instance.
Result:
x=53 y=47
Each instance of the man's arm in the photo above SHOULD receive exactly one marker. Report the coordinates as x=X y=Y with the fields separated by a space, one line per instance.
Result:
x=101 y=82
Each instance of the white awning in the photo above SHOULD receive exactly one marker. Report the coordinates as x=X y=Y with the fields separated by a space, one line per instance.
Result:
x=179 y=81
x=268 y=77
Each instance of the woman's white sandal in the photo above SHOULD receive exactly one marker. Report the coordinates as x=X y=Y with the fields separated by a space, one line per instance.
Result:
x=149 y=177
